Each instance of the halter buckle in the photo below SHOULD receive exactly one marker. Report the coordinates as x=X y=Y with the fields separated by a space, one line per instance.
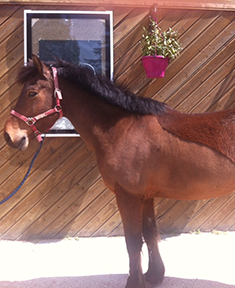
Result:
x=57 y=93
x=37 y=132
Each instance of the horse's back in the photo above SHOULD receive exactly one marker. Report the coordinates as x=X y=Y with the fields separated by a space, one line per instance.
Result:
x=216 y=130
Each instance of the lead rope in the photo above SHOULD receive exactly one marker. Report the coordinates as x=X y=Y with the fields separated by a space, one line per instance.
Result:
x=26 y=175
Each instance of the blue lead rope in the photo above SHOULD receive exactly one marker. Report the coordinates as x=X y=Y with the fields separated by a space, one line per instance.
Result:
x=25 y=177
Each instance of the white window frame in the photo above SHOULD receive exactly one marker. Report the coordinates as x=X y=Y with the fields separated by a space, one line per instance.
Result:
x=29 y=15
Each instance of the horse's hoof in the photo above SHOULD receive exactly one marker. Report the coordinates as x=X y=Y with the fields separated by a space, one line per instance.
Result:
x=135 y=282
x=153 y=278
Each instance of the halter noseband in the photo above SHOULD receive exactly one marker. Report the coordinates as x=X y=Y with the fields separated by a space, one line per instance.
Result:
x=30 y=121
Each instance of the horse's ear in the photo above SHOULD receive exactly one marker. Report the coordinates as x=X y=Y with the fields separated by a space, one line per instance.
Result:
x=42 y=69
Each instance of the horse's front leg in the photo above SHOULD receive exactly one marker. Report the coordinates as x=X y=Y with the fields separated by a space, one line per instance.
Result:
x=131 y=208
x=156 y=270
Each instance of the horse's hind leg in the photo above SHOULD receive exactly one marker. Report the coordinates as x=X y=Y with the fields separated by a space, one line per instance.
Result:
x=156 y=270
x=131 y=208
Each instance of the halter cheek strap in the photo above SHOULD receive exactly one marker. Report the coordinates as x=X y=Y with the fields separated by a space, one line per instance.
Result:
x=30 y=121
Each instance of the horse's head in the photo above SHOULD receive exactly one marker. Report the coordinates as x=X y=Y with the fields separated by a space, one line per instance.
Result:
x=35 y=101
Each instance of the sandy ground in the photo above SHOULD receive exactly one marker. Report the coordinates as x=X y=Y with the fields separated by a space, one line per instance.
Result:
x=192 y=261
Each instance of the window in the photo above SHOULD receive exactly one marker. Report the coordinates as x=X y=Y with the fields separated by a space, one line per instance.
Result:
x=73 y=36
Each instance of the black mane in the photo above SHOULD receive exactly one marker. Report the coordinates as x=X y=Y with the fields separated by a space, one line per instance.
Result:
x=83 y=76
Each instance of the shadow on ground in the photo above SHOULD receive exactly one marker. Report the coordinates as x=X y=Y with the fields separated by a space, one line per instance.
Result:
x=109 y=281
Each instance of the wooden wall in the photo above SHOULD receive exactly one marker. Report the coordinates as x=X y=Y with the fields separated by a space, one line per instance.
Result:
x=64 y=195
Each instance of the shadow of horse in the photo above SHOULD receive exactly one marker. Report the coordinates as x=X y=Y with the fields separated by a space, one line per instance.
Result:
x=110 y=281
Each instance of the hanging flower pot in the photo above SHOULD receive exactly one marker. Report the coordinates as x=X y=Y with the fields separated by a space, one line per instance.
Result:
x=155 y=66
x=158 y=47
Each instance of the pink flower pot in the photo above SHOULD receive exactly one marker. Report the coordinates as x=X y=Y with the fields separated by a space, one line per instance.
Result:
x=155 y=66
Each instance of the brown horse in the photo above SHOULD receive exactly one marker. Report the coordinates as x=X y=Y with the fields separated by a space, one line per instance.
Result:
x=144 y=149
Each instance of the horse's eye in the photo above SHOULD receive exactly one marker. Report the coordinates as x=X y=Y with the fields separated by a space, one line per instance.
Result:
x=32 y=94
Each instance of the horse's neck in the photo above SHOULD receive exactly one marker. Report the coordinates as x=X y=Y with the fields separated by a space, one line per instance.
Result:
x=90 y=116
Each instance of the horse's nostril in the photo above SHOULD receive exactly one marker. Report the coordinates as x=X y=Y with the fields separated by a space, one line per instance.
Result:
x=7 y=137
x=22 y=144
x=8 y=140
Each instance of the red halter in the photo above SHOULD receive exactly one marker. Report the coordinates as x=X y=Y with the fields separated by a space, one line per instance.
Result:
x=57 y=109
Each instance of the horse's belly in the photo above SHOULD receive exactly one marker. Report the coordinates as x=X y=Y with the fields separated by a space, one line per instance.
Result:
x=194 y=190
x=204 y=174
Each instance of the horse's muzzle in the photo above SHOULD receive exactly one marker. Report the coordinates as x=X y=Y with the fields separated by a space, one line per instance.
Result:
x=20 y=144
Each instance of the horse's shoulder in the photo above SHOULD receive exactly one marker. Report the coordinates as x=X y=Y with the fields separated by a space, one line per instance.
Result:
x=216 y=130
